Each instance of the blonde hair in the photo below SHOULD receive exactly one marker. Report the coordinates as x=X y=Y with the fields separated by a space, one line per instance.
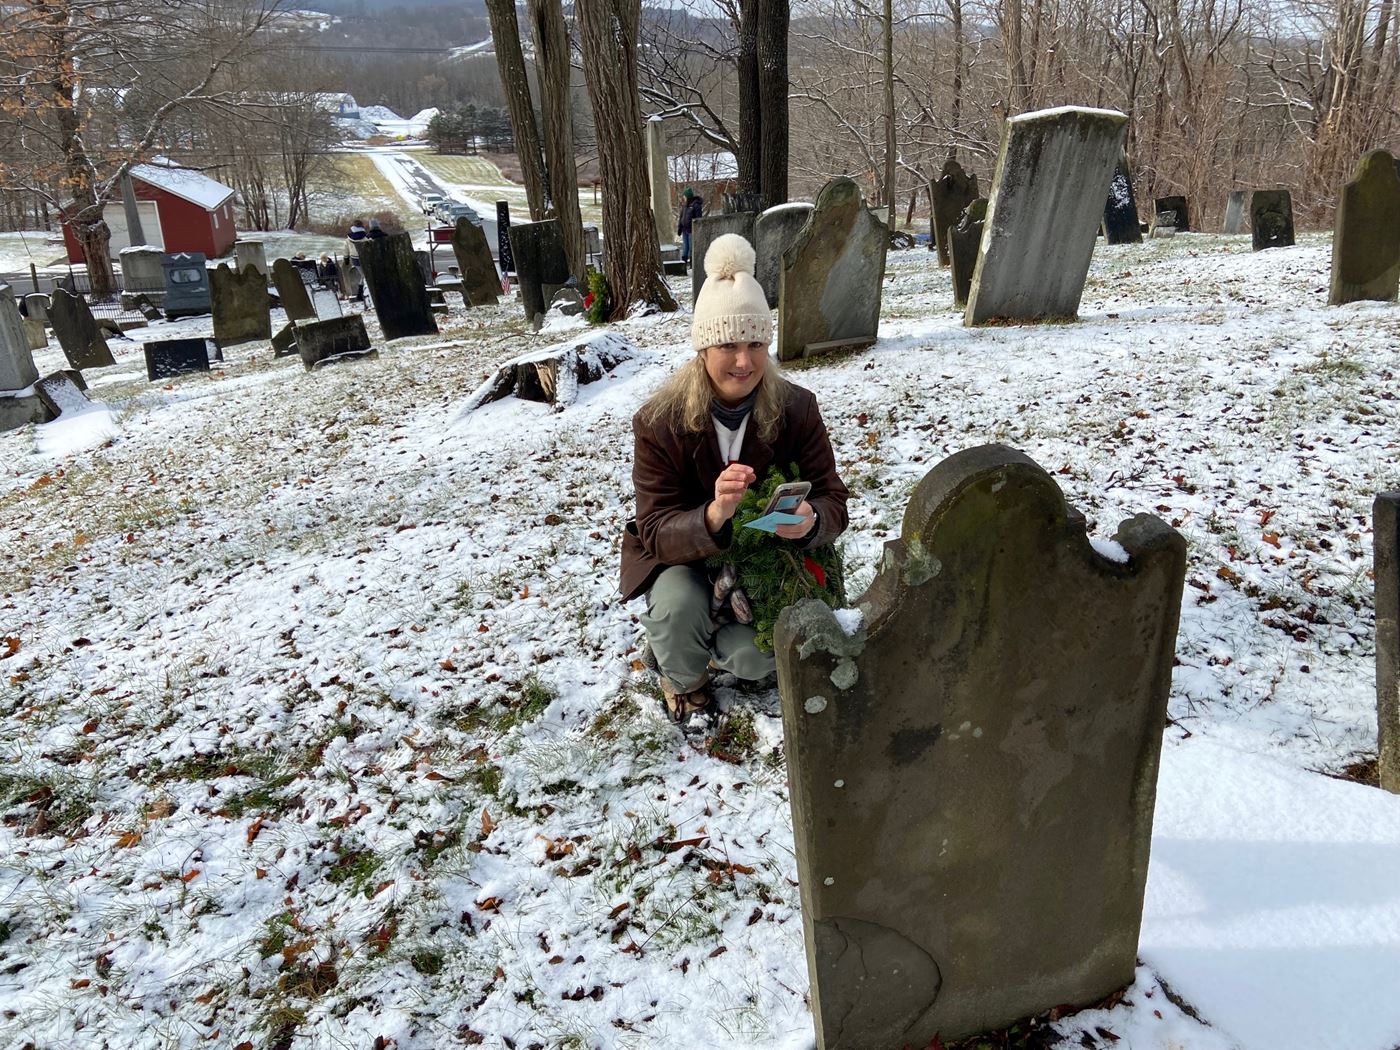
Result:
x=684 y=400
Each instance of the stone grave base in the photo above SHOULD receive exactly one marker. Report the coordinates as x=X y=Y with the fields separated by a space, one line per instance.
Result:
x=43 y=402
x=284 y=342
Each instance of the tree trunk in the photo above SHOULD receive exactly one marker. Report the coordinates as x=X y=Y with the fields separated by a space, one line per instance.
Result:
x=955 y=107
x=750 y=152
x=773 y=100
x=510 y=62
x=887 y=28
x=608 y=35
x=552 y=64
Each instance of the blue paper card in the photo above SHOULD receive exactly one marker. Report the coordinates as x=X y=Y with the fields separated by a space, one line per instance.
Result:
x=770 y=522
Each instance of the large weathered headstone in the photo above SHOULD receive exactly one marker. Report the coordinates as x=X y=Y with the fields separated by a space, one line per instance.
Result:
x=973 y=768
x=142 y=270
x=250 y=253
x=1043 y=214
x=1234 y=212
x=504 y=254
x=1120 y=214
x=321 y=342
x=186 y=284
x=1385 y=523
x=705 y=230
x=541 y=267
x=481 y=285
x=240 y=304
x=168 y=358
x=17 y=369
x=1176 y=208
x=773 y=233
x=77 y=330
x=659 y=180
x=34 y=331
x=832 y=276
x=292 y=291
x=952 y=192
x=966 y=239
x=36 y=306
x=396 y=287
x=1271 y=219
x=1365 y=237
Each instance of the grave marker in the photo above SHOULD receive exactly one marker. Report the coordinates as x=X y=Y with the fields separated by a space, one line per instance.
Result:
x=1176 y=205
x=77 y=330
x=1234 y=213
x=659 y=180
x=1271 y=219
x=951 y=193
x=325 y=342
x=481 y=284
x=59 y=392
x=1385 y=522
x=1365 y=244
x=703 y=232
x=541 y=267
x=1120 y=215
x=503 y=249
x=326 y=303
x=186 y=285
x=773 y=233
x=36 y=306
x=966 y=239
x=34 y=331
x=250 y=254
x=17 y=369
x=292 y=291
x=396 y=287
x=240 y=305
x=168 y=358
x=142 y=269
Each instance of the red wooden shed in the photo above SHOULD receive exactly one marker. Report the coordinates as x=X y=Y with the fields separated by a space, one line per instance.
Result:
x=181 y=210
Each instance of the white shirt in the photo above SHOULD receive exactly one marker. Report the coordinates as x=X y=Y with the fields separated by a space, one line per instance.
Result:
x=730 y=441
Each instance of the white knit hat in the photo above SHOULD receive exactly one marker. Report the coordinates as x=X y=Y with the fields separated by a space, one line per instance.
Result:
x=731 y=306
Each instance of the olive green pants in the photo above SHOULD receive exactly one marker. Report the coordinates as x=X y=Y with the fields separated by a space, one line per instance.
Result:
x=683 y=637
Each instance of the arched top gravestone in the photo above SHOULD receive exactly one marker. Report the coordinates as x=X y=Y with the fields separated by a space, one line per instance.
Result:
x=1271 y=219
x=773 y=233
x=82 y=340
x=240 y=305
x=1365 y=244
x=972 y=772
x=1120 y=215
x=396 y=286
x=950 y=193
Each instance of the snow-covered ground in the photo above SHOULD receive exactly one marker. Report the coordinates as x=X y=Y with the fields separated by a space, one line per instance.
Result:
x=19 y=249
x=320 y=719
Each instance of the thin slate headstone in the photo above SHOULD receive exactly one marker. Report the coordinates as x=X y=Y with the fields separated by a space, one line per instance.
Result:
x=60 y=392
x=773 y=233
x=972 y=772
x=481 y=285
x=951 y=192
x=703 y=232
x=1234 y=213
x=832 y=276
x=240 y=304
x=541 y=267
x=36 y=306
x=326 y=304
x=1120 y=214
x=319 y=342
x=1385 y=522
x=168 y=358
x=17 y=369
x=284 y=340
x=34 y=330
x=186 y=284
x=77 y=330
x=1043 y=214
x=396 y=287
x=966 y=239
x=504 y=254
x=1180 y=214
x=250 y=254
x=292 y=291
x=1271 y=219
x=1366 y=233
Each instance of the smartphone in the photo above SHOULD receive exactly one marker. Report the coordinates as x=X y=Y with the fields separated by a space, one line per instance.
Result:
x=787 y=498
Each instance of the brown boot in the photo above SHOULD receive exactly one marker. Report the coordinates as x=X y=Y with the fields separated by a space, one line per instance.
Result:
x=681 y=704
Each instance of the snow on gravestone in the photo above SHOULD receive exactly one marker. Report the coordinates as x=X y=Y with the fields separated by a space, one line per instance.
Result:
x=1271 y=219
x=773 y=233
x=703 y=233
x=1120 y=215
x=396 y=286
x=296 y=301
x=973 y=765
x=240 y=305
x=78 y=334
x=832 y=275
x=1386 y=525
x=951 y=192
x=326 y=304
x=481 y=285
x=17 y=369
x=1043 y=214
x=1365 y=244
x=555 y=373
x=61 y=393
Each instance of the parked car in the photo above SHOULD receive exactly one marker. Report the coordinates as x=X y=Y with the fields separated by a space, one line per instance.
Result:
x=450 y=212
x=429 y=201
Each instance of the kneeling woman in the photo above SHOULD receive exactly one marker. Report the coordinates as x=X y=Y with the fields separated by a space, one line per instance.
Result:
x=717 y=427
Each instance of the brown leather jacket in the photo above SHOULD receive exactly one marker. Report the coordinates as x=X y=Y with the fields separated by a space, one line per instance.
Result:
x=674 y=478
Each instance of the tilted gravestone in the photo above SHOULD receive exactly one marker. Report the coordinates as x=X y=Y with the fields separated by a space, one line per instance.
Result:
x=1234 y=213
x=396 y=287
x=503 y=249
x=973 y=768
x=704 y=231
x=1043 y=214
x=168 y=358
x=186 y=284
x=541 y=267
x=951 y=192
x=481 y=285
x=1271 y=219
x=832 y=276
x=61 y=392
x=17 y=369
x=1177 y=207
x=36 y=306
x=554 y=374
x=250 y=253
x=773 y=233
x=1385 y=522
x=292 y=291
x=323 y=342
x=240 y=305
x=1120 y=215
x=78 y=333
x=326 y=304
x=1365 y=244
x=965 y=239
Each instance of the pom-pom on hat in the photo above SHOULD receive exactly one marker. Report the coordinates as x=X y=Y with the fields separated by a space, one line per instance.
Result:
x=731 y=306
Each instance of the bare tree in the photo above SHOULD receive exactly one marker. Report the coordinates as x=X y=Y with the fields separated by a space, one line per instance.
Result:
x=552 y=61
x=510 y=60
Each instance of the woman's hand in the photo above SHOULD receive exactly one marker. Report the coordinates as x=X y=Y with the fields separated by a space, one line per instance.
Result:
x=733 y=481
x=802 y=528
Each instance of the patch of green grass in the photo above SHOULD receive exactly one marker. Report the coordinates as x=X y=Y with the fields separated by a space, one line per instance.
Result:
x=281 y=931
x=60 y=803
x=737 y=738
x=427 y=961
x=354 y=868
x=535 y=695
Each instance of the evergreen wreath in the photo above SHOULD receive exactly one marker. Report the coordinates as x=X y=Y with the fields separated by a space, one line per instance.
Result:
x=773 y=572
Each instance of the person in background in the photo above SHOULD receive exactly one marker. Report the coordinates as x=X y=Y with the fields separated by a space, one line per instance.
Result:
x=357 y=231
x=329 y=273
x=692 y=207
x=374 y=231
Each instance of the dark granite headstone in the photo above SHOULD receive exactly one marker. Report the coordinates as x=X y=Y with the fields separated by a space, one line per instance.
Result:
x=321 y=341
x=240 y=305
x=504 y=253
x=1366 y=233
x=1385 y=522
x=1271 y=219
x=291 y=289
x=186 y=285
x=1120 y=215
x=481 y=285
x=167 y=358
x=78 y=333
x=965 y=239
x=704 y=230
x=541 y=267
x=972 y=770
x=142 y=302
x=396 y=287
x=1177 y=206
x=951 y=192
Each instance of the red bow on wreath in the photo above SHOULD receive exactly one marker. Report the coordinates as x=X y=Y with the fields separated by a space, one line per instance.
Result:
x=818 y=573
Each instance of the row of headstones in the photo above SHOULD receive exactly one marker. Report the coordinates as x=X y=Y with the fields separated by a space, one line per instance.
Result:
x=972 y=798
